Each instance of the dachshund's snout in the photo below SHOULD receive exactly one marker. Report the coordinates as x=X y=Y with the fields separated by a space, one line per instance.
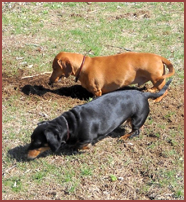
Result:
x=50 y=83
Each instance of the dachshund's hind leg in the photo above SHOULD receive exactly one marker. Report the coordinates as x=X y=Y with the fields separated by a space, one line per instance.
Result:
x=132 y=134
x=137 y=123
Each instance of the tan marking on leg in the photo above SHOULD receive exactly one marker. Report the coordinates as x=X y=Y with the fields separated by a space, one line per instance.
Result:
x=125 y=137
x=85 y=147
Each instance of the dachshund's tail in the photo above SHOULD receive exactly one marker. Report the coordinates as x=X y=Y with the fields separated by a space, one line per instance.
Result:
x=160 y=93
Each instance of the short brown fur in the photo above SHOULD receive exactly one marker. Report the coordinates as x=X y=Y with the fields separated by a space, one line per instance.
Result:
x=104 y=74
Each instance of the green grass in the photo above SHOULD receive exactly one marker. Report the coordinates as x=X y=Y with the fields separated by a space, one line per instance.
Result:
x=86 y=171
x=113 y=178
x=152 y=164
x=14 y=183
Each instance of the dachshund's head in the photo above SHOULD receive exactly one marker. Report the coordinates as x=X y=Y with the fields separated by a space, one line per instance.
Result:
x=61 y=68
x=47 y=136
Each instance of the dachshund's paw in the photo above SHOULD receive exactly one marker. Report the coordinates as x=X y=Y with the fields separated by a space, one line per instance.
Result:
x=124 y=138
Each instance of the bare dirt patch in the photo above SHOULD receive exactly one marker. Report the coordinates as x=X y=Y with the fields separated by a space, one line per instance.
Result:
x=38 y=85
x=137 y=15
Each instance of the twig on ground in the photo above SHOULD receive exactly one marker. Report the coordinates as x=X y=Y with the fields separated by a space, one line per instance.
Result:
x=25 y=77
x=32 y=45
x=7 y=170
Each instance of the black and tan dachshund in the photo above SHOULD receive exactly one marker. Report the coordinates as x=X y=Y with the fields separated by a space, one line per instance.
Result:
x=86 y=124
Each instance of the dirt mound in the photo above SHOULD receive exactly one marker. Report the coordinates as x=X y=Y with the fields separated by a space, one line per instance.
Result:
x=38 y=85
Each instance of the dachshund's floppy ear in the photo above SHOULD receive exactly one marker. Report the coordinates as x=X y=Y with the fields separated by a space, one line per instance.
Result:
x=65 y=66
x=52 y=140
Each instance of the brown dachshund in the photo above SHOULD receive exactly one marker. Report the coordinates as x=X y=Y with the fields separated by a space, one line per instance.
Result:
x=104 y=74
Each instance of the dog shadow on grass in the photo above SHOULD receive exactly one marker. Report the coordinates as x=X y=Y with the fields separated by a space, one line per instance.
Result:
x=76 y=91
x=19 y=153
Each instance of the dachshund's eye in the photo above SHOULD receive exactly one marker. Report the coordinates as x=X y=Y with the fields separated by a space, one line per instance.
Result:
x=37 y=143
